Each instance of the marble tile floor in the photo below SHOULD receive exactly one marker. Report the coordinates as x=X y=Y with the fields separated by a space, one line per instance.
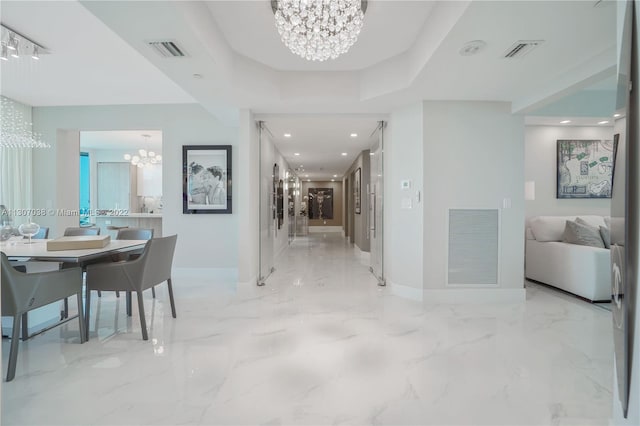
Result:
x=320 y=344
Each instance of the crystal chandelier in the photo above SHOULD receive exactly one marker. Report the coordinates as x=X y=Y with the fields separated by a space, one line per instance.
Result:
x=319 y=29
x=144 y=157
x=16 y=131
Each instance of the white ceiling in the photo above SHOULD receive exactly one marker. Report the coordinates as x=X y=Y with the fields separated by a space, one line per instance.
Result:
x=404 y=19
x=407 y=52
x=122 y=140
x=88 y=63
x=321 y=140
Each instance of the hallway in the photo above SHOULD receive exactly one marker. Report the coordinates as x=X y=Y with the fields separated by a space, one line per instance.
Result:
x=320 y=344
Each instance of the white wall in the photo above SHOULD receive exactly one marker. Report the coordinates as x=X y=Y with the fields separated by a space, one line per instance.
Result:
x=540 y=167
x=403 y=228
x=473 y=158
x=205 y=241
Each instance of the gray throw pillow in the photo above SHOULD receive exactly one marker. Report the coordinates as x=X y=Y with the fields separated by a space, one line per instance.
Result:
x=581 y=221
x=606 y=236
x=584 y=235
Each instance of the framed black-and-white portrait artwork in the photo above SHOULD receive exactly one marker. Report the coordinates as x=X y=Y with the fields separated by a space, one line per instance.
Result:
x=357 y=190
x=206 y=179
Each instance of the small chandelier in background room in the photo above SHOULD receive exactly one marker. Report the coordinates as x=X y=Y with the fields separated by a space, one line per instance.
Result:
x=144 y=157
x=15 y=130
x=16 y=45
x=318 y=30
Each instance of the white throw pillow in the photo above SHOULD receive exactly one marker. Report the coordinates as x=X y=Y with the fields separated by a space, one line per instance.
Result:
x=549 y=228
x=529 y=234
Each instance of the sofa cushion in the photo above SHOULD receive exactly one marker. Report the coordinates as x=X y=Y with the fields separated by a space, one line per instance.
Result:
x=596 y=221
x=548 y=228
x=584 y=235
x=606 y=236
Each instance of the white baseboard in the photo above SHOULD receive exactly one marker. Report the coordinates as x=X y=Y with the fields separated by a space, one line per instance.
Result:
x=252 y=281
x=458 y=295
x=405 y=291
x=474 y=295
x=211 y=274
x=325 y=228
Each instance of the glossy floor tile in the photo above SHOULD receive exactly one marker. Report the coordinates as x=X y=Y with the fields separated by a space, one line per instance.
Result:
x=320 y=344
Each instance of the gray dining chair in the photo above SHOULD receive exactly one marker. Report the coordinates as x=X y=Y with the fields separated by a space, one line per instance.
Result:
x=22 y=293
x=134 y=234
x=85 y=230
x=153 y=267
x=75 y=232
x=126 y=233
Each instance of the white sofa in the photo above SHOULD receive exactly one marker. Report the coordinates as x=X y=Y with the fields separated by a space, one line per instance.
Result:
x=582 y=270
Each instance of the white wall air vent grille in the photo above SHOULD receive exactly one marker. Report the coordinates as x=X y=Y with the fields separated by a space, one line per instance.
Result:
x=167 y=48
x=473 y=246
x=521 y=47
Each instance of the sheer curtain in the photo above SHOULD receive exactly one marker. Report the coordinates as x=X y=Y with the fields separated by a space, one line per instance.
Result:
x=16 y=173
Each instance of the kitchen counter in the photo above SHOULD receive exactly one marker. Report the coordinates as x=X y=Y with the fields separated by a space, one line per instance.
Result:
x=131 y=220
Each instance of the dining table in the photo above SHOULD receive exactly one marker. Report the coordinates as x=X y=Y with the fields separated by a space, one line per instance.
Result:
x=23 y=250
x=37 y=250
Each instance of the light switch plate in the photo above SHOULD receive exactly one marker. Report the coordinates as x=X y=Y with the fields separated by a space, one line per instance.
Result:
x=405 y=184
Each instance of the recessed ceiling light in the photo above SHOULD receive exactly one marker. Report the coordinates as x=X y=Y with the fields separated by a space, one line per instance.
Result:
x=354 y=135
x=603 y=122
x=565 y=121
x=287 y=135
x=372 y=153
x=335 y=175
x=301 y=165
x=616 y=115
x=308 y=180
x=333 y=180
x=306 y=175
x=296 y=153
x=344 y=154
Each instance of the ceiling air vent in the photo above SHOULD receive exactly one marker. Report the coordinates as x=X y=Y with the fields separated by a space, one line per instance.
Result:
x=167 y=48
x=521 y=48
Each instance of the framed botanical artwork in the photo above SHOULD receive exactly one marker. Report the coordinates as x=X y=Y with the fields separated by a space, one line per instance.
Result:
x=357 y=188
x=206 y=179
x=585 y=168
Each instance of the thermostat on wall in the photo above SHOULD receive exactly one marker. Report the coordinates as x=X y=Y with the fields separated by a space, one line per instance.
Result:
x=405 y=184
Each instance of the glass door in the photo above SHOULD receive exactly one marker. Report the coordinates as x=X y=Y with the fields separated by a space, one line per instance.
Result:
x=268 y=218
x=376 y=203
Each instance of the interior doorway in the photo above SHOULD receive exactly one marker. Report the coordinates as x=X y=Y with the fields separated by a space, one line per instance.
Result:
x=120 y=181
x=321 y=168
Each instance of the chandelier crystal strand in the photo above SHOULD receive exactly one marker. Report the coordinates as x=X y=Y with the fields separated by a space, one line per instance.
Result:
x=319 y=29
x=15 y=130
